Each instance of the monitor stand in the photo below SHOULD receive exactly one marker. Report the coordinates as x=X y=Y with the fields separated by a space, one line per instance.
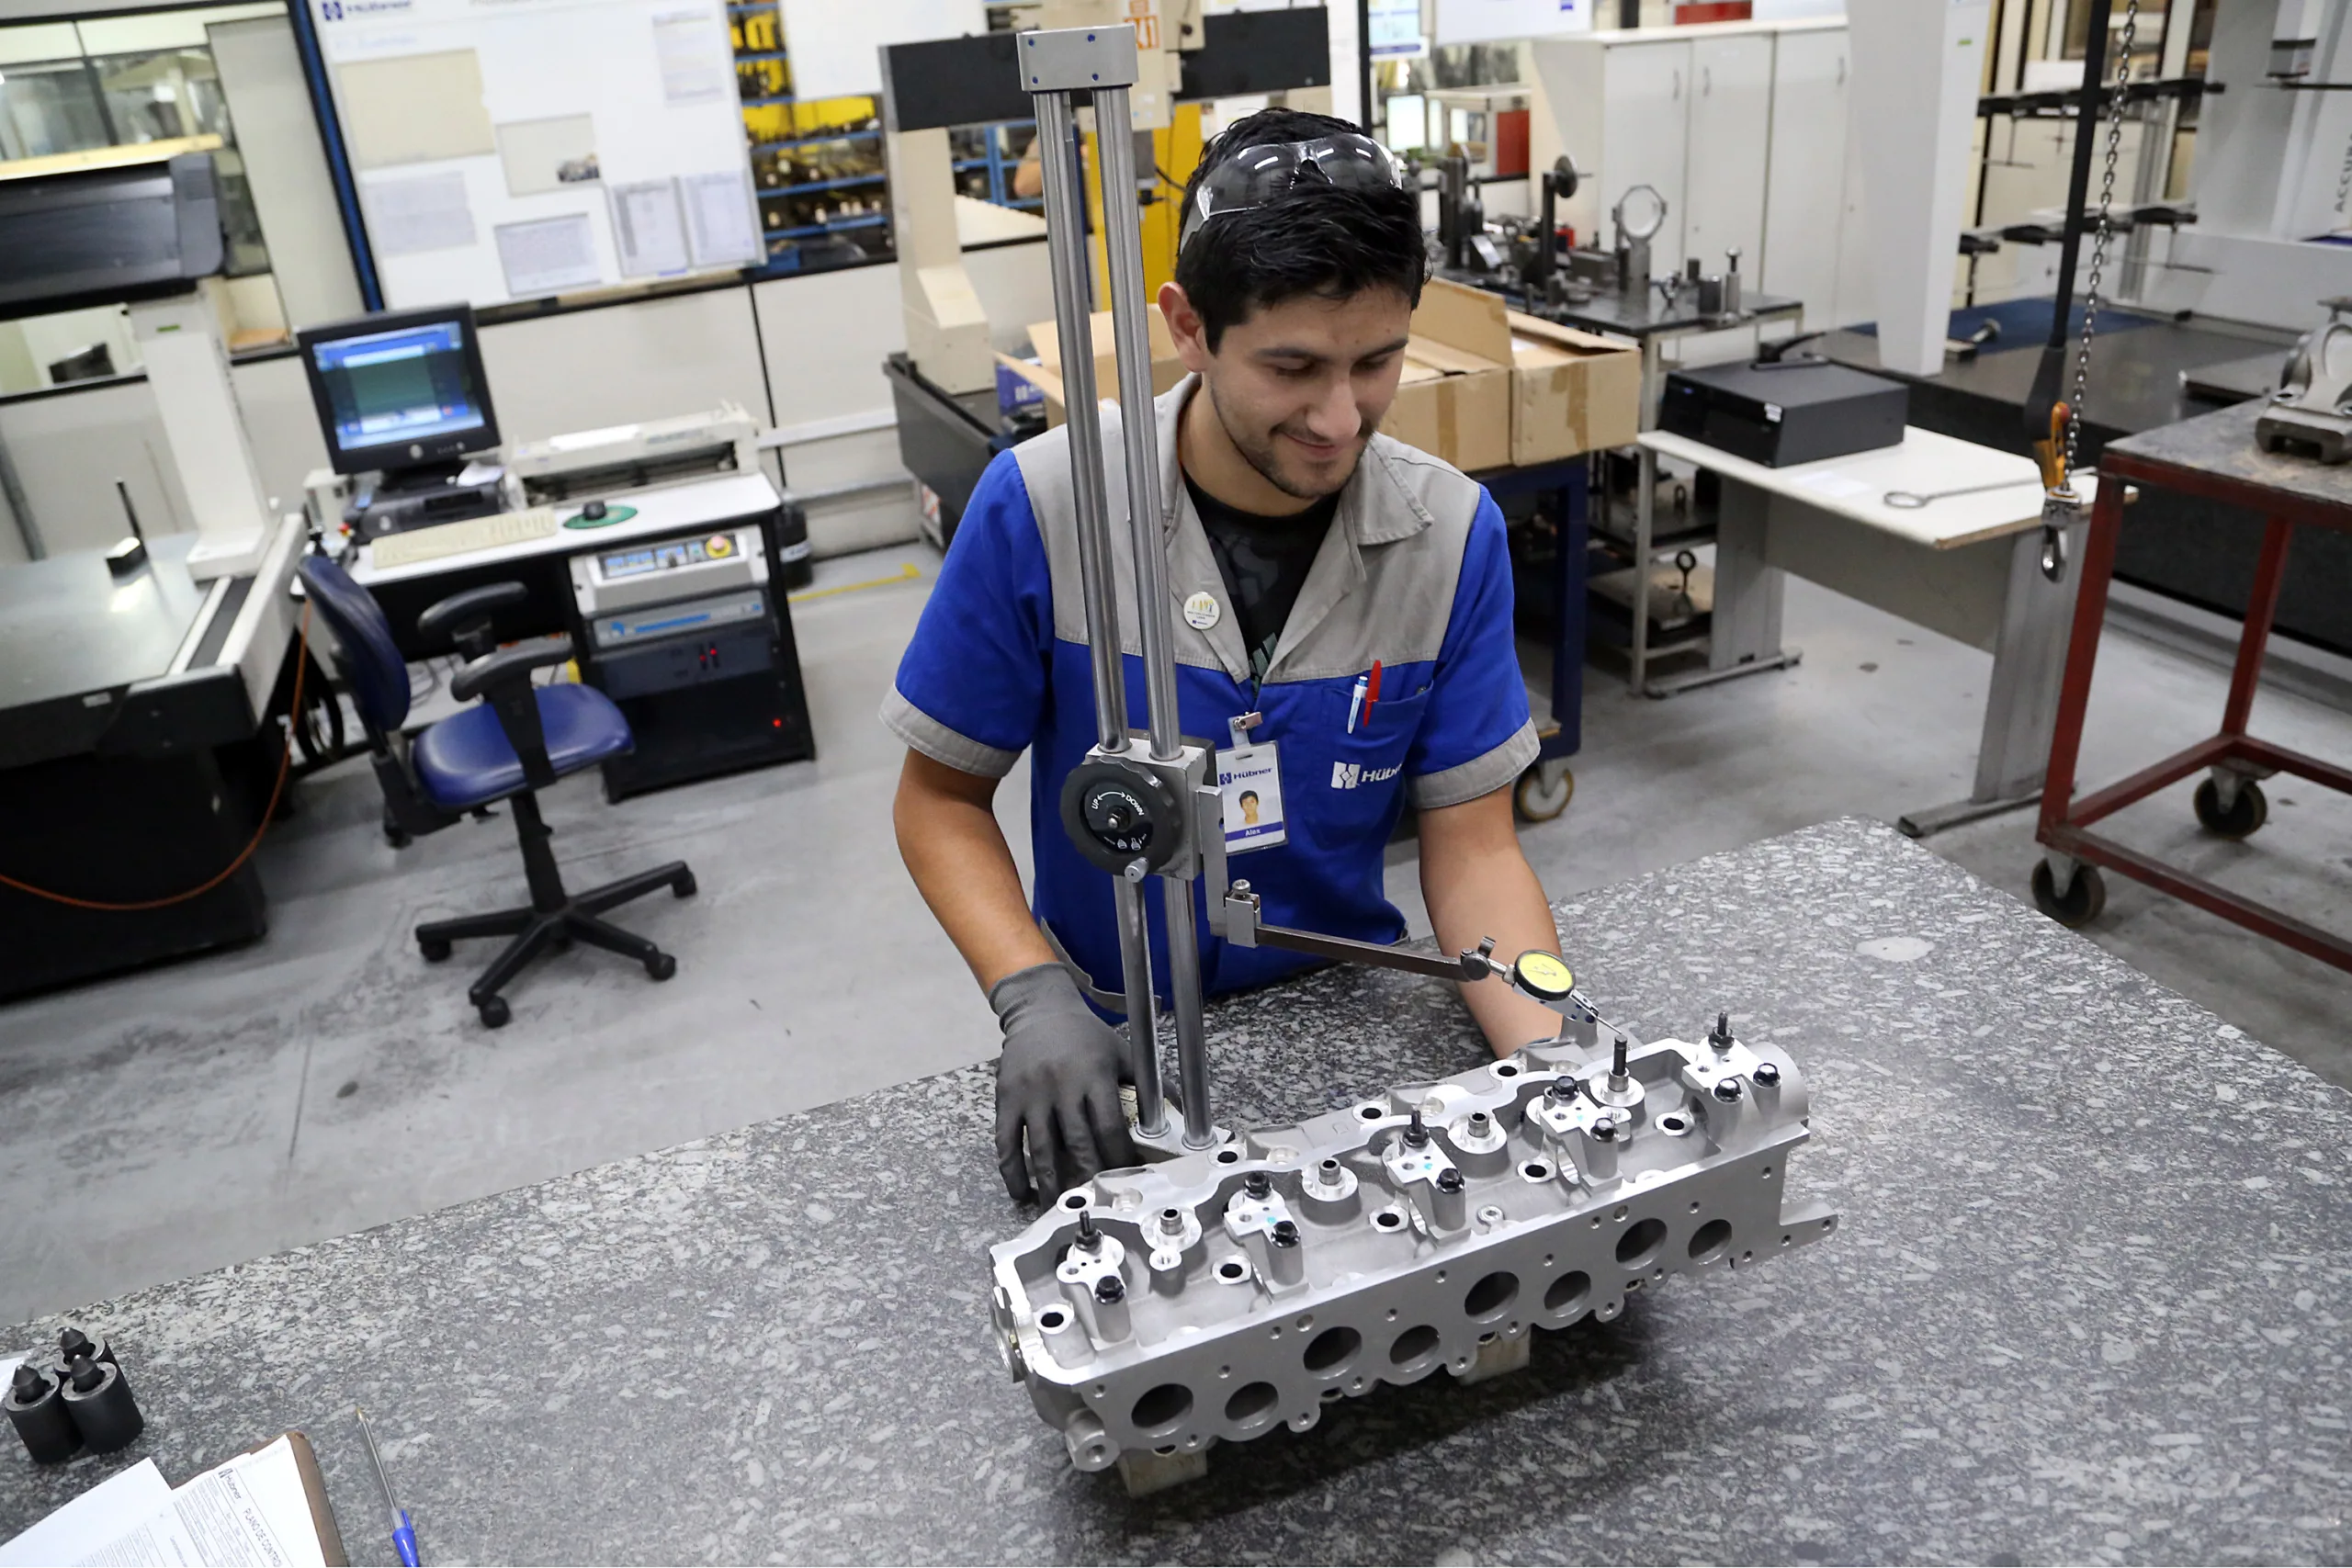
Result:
x=400 y=499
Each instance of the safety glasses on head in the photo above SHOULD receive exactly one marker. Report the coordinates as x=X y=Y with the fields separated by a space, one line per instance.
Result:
x=1263 y=177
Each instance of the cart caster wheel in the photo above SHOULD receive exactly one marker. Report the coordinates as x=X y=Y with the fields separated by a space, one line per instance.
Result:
x=2246 y=815
x=661 y=966
x=435 y=952
x=494 y=1013
x=685 y=887
x=2083 y=903
x=1536 y=803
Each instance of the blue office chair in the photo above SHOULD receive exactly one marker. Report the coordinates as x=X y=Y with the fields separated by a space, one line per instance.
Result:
x=522 y=738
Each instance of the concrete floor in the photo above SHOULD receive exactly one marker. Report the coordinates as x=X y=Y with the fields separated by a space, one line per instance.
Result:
x=325 y=1079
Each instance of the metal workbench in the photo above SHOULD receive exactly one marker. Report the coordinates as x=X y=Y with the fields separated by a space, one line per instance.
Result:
x=2083 y=1306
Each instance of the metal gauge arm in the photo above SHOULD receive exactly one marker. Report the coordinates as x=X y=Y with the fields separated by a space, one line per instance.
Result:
x=1535 y=972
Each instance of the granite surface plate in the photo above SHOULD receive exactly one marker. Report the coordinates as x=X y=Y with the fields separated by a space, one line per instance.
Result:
x=2088 y=1301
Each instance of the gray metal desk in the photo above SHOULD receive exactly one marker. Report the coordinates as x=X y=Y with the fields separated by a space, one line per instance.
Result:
x=2083 y=1305
x=1968 y=566
x=131 y=720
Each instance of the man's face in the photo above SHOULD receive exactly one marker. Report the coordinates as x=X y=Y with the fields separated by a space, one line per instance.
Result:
x=1300 y=386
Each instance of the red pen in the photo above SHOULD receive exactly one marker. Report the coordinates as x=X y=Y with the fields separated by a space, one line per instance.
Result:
x=1372 y=691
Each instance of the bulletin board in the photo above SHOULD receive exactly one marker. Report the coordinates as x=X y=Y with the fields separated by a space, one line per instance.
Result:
x=517 y=148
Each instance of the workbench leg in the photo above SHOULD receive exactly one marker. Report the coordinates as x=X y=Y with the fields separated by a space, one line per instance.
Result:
x=2261 y=609
x=1569 y=613
x=1744 y=624
x=2021 y=704
x=1644 y=522
x=2097 y=569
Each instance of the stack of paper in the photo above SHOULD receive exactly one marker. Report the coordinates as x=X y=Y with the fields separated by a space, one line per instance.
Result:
x=251 y=1512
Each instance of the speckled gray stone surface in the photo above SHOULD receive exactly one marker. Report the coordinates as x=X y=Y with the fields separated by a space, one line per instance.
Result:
x=2090 y=1301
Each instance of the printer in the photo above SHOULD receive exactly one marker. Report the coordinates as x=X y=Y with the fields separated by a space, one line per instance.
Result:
x=635 y=457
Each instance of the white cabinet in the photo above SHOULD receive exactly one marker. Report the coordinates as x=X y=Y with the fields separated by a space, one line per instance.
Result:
x=1742 y=127
x=1731 y=115
x=1644 y=137
x=1805 y=217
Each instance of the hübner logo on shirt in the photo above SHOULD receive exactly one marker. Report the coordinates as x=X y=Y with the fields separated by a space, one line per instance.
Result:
x=1347 y=775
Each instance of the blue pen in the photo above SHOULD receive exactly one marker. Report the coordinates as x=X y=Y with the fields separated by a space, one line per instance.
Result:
x=403 y=1533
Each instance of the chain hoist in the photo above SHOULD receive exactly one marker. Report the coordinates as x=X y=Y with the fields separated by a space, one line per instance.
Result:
x=2057 y=449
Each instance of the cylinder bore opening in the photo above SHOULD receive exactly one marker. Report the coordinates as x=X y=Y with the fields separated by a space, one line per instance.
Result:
x=1492 y=1296
x=1641 y=1241
x=1228 y=1156
x=1371 y=1112
x=1567 y=1291
x=1252 y=1402
x=1387 y=1219
x=1332 y=1351
x=1231 y=1268
x=1413 y=1345
x=1162 y=1407
x=1710 y=1240
x=1074 y=1200
x=1051 y=1319
x=1536 y=1170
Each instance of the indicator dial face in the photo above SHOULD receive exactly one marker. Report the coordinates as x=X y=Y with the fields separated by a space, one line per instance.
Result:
x=1543 y=975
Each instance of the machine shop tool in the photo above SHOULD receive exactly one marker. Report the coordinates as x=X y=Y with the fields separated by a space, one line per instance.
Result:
x=2311 y=410
x=1241 y=1279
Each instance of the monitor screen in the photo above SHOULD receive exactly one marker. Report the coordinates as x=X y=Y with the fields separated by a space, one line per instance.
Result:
x=394 y=393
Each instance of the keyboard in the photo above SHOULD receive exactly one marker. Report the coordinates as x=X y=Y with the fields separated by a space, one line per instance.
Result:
x=463 y=538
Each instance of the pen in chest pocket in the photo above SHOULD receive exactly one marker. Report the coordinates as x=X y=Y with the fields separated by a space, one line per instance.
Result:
x=1367 y=692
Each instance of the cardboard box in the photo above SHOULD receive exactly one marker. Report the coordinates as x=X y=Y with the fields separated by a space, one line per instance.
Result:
x=1454 y=398
x=1166 y=368
x=1570 y=391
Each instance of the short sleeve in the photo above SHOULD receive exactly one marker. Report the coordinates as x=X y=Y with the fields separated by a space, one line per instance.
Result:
x=972 y=685
x=1475 y=735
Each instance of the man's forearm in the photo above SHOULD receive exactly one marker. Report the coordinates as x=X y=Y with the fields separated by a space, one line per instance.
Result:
x=954 y=850
x=1477 y=884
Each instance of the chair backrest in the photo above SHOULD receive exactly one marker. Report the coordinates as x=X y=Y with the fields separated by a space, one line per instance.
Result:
x=364 y=654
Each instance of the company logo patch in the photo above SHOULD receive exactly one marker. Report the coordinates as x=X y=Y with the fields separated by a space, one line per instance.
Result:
x=1347 y=775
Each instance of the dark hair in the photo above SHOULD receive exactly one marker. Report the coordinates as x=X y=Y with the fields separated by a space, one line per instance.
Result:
x=1319 y=240
x=1248 y=795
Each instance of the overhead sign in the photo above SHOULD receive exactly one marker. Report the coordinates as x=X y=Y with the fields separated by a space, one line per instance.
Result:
x=1492 y=21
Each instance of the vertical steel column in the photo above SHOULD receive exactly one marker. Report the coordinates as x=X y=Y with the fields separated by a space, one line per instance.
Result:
x=1065 y=252
x=1140 y=428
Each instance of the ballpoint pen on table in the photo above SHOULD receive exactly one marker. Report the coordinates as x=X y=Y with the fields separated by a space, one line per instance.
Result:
x=403 y=1533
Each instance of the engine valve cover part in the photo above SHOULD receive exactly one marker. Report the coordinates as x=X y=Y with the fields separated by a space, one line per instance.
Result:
x=1158 y=1310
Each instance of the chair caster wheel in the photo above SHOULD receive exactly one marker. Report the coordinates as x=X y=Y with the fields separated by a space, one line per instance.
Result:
x=2246 y=815
x=494 y=1013
x=685 y=887
x=2083 y=902
x=435 y=952
x=1538 y=799
x=661 y=966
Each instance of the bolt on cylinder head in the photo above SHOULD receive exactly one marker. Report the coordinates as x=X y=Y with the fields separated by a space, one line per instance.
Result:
x=1286 y=1256
x=1258 y=1184
x=1766 y=1075
x=1112 y=1323
x=1449 y=1200
x=1720 y=1037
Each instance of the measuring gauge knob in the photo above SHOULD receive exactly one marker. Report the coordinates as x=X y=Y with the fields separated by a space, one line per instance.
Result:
x=1117 y=812
x=1543 y=975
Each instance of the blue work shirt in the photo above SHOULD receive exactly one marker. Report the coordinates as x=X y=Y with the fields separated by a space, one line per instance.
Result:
x=1414 y=572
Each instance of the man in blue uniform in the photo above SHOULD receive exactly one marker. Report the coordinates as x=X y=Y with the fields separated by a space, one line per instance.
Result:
x=1353 y=592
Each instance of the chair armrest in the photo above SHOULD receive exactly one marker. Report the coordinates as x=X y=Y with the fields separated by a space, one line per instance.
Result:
x=503 y=680
x=484 y=676
x=465 y=618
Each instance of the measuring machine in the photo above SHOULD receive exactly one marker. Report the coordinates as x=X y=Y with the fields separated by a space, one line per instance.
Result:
x=1239 y=1280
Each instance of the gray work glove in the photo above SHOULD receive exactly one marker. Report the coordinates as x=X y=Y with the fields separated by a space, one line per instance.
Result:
x=1057 y=1085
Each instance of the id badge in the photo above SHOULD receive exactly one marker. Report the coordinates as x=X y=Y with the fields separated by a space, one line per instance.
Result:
x=1249 y=778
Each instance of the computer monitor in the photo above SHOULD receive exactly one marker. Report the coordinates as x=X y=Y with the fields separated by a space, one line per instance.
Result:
x=400 y=391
